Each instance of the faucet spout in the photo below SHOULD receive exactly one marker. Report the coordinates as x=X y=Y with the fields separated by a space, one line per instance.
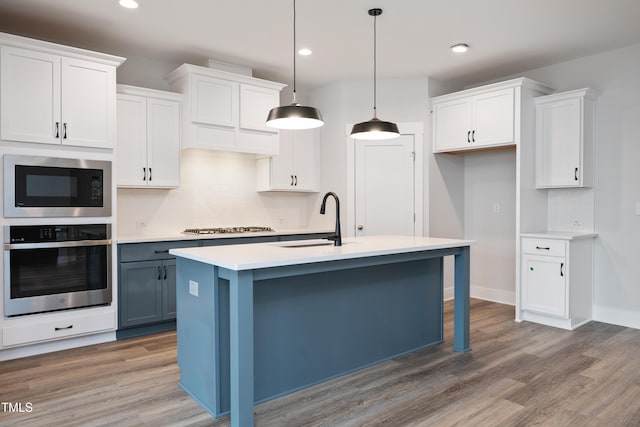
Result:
x=337 y=237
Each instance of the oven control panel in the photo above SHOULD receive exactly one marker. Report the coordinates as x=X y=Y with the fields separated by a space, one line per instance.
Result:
x=58 y=233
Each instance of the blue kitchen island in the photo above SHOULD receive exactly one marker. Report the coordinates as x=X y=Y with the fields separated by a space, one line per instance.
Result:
x=258 y=321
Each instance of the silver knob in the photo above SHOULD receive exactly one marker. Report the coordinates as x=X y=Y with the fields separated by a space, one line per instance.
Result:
x=360 y=227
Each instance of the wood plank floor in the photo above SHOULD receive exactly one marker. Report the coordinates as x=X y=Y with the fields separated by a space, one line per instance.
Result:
x=516 y=375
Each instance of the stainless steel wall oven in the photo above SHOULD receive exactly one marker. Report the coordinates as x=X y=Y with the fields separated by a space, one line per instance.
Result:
x=56 y=267
x=56 y=187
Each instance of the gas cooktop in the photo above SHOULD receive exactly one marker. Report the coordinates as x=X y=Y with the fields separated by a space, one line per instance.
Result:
x=223 y=230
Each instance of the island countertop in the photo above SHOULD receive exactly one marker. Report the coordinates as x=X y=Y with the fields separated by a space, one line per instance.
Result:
x=277 y=254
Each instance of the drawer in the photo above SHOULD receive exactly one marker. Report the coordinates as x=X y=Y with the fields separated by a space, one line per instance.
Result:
x=239 y=240
x=128 y=252
x=48 y=330
x=549 y=247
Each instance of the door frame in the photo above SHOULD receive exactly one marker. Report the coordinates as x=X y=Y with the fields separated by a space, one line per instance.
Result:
x=409 y=128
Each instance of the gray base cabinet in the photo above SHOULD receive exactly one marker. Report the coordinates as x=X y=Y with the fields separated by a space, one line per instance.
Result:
x=147 y=281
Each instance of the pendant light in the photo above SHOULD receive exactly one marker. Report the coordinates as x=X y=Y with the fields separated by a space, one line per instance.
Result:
x=294 y=116
x=375 y=128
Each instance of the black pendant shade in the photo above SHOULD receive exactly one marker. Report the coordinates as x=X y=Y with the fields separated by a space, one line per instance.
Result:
x=375 y=128
x=294 y=116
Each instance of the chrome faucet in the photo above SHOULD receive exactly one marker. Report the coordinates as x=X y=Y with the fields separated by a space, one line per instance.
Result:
x=337 y=237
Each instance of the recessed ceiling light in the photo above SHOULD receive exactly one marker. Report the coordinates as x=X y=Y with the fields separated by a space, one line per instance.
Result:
x=305 y=51
x=460 y=48
x=129 y=4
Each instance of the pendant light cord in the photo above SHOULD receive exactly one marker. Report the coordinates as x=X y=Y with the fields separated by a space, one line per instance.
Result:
x=295 y=101
x=375 y=114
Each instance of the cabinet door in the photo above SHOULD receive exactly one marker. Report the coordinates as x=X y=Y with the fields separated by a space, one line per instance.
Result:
x=282 y=164
x=452 y=125
x=493 y=118
x=169 y=289
x=214 y=101
x=304 y=156
x=255 y=104
x=140 y=293
x=544 y=287
x=163 y=142
x=131 y=141
x=558 y=142
x=30 y=96
x=88 y=103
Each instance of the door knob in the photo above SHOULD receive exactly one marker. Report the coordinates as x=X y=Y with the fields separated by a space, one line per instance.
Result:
x=360 y=227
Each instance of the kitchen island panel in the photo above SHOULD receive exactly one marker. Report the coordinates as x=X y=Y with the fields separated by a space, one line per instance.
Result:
x=307 y=328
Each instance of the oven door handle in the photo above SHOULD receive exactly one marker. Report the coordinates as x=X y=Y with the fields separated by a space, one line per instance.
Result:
x=45 y=245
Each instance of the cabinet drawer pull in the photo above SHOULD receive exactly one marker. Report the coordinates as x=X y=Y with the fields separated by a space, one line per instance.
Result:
x=469 y=136
x=561 y=268
x=543 y=248
x=159 y=273
x=165 y=251
x=575 y=175
x=57 y=130
x=62 y=329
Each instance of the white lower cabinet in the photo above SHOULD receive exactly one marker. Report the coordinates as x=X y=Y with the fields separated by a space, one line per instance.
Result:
x=556 y=282
x=49 y=327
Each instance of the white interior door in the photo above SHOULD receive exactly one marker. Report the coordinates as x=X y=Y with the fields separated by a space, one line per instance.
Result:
x=384 y=181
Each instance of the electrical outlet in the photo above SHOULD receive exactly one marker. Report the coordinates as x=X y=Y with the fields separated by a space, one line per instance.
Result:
x=496 y=208
x=577 y=223
x=193 y=288
x=141 y=224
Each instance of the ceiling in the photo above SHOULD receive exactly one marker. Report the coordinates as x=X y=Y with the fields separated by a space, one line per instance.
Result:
x=506 y=36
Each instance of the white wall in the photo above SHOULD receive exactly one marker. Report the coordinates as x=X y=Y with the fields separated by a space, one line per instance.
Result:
x=217 y=189
x=616 y=74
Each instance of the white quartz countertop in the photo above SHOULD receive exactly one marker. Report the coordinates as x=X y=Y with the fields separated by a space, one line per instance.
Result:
x=142 y=238
x=277 y=254
x=561 y=235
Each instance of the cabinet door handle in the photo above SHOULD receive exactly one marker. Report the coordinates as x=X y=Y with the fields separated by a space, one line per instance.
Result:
x=159 y=273
x=144 y=174
x=473 y=136
x=575 y=174
x=165 y=272
x=469 y=136
x=64 y=328
x=296 y=182
x=64 y=131
x=561 y=267
x=165 y=251
x=150 y=177
x=291 y=180
x=543 y=248
x=57 y=130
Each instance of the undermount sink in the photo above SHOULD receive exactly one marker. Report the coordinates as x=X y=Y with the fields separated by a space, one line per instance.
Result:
x=307 y=244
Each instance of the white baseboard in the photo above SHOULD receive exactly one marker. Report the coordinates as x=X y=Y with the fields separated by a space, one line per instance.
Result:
x=487 y=294
x=616 y=316
x=32 y=350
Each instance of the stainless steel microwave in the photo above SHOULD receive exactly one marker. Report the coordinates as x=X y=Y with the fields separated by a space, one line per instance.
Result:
x=56 y=187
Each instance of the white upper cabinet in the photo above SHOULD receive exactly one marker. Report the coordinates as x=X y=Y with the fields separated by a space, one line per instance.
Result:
x=294 y=169
x=226 y=111
x=148 y=143
x=53 y=94
x=564 y=139
x=474 y=119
